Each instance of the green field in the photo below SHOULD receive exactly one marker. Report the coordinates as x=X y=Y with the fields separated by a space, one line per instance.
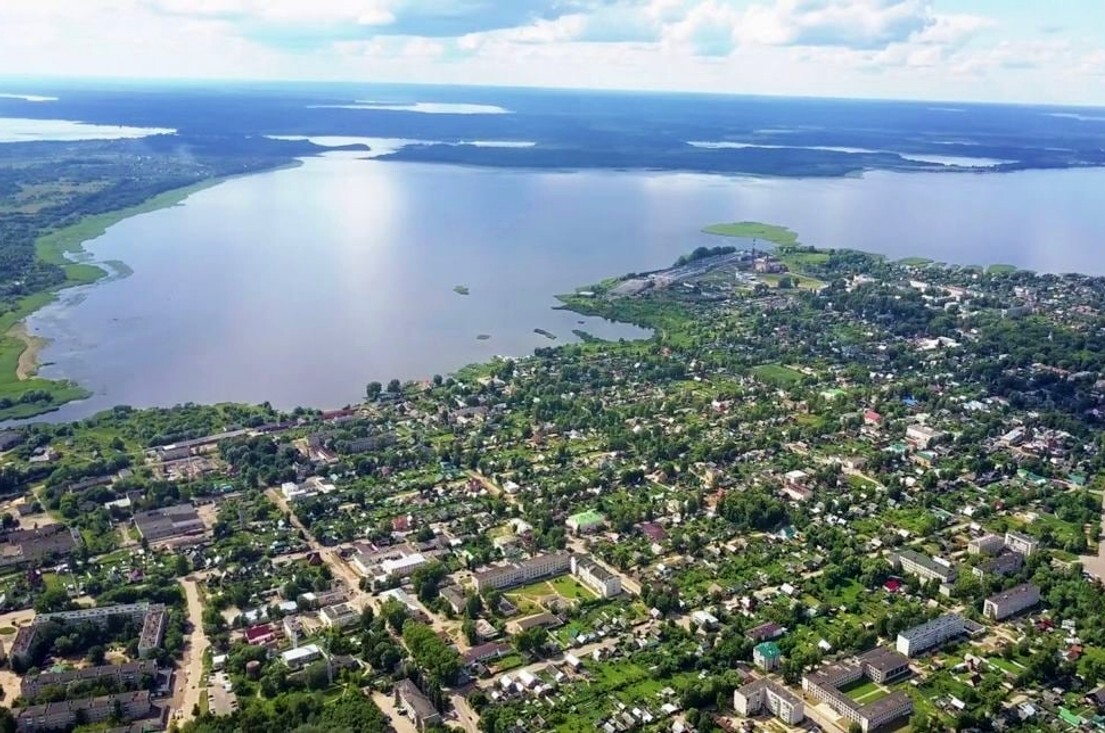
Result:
x=915 y=261
x=564 y=586
x=777 y=374
x=864 y=691
x=755 y=230
x=1001 y=269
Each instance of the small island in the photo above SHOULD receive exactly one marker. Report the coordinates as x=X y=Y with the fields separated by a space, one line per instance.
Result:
x=483 y=337
x=461 y=290
x=546 y=334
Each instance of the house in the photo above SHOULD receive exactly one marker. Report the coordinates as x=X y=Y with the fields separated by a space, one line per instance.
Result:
x=339 y=616
x=990 y=544
x=922 y=436
x=765 y=632
x=872 y=419
x=89 y=710
x=260 y=635
x=925 y=568
x=704 y=620
x=1022 y=543
x=454 y=596
x=603 y=582
x=535 y=568
x=421 y=711
x=767 y=656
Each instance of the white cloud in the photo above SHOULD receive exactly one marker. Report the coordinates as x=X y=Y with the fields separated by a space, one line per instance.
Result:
x=850 y=23
x=838 y=47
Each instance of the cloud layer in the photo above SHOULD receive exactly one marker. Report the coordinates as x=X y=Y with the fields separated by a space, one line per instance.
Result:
x=902 y=48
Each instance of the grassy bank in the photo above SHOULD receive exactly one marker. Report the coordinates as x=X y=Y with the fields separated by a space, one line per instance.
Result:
x=778 y=235
x=21 y=398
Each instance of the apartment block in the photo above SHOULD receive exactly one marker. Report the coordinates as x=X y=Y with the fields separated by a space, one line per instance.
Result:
x=1010 y=602
x=764 y=694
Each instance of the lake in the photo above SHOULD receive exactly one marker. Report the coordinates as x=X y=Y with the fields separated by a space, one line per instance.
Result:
x=301 y=285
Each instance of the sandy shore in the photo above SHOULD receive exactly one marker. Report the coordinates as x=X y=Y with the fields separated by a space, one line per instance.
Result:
x=28 y=358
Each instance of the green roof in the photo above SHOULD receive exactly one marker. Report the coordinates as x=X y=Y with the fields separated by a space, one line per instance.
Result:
x=769 y=650
x=1069 y=717
x=588 y=517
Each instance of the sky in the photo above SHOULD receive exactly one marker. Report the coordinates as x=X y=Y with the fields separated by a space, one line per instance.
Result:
x=1033 y=51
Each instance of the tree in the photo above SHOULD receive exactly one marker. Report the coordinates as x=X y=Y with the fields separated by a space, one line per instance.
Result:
x=394 y=387
x=372 y=390
x=531 y=640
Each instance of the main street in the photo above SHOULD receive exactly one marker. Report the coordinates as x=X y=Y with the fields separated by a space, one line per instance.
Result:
x=187 y=684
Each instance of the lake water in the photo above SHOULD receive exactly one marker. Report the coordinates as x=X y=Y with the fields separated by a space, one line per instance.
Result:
x=301 y=285
x=24 y=129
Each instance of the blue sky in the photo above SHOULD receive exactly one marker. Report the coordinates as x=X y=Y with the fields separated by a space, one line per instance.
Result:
x=984 y=50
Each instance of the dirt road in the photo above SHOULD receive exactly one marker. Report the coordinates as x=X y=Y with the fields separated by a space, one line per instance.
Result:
x=187 y=685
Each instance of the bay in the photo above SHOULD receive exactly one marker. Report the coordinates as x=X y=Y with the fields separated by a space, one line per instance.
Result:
x=299 y=286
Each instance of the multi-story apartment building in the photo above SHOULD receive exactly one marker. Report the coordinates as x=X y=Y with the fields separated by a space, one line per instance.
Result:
x=990 y=544
x=924 y=567
x=764 y=694
x=930 y=634
x=1022 y=543
x=1009 y=602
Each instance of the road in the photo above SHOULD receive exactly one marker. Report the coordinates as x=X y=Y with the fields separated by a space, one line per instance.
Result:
x=187 y=684
x=466 y=717
x=1095 y=564
x=329 y=555
x=386 y=703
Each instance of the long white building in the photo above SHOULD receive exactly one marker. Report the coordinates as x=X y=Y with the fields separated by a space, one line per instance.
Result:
x=930 y=634
x=535 y=568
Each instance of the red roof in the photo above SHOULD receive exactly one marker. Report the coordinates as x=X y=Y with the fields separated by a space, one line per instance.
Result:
x=893 y=585
x=872 y=417
x=260 y=632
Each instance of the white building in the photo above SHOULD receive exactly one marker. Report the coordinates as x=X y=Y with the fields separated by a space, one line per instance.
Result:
x=301 y=656
x=603 y=582
x=765 y=694
x=922 y=435
x=926 y=568
x=1010 y=602
x=990 y=544
x=1022 y=543
x=930 y=635
x=535 y=568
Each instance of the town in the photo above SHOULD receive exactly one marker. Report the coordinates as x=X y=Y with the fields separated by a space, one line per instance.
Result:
x=830 y=493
